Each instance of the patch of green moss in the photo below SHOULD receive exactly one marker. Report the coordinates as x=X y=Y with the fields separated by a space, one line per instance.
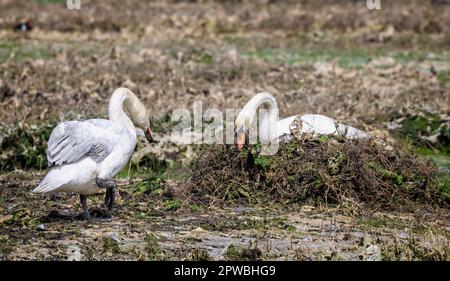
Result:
x=443 y=77
x=335 y=162
x=236 y=253
x=151 y=183
x=22 y=217
x=24 y=145
x=415 y=128
x=44 y=2
x=412 y=250
x=110 y=245
x=205 y=59
x=396 y=178
x=324 y=138
x=346 y=58
x=351 y=58
x=442 y=162
x=172 y=204
x=152 y=246
x=376 y=222
x=21 y=51
x=139 y=216
x=262 y=161
x=194 y=207
x=234 y=191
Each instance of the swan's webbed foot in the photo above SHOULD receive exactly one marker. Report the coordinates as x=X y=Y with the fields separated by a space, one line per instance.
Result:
x=83 y=201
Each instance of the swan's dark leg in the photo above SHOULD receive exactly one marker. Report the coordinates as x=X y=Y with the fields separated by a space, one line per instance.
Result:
x=83 y=201
x=110 y=195
x=107 y=197
x=104 y=183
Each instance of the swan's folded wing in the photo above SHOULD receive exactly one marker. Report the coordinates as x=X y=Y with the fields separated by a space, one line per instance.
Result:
x=70 y=141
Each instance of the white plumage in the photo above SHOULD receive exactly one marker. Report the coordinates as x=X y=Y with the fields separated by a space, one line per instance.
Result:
x=319 y=125
x=270 y=128
x=84 y=156
x=81 y=151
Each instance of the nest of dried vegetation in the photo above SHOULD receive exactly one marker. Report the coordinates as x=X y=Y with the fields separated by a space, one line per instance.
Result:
x=317 y=171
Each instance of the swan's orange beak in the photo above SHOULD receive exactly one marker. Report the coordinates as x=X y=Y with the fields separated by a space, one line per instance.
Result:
x=240 y=140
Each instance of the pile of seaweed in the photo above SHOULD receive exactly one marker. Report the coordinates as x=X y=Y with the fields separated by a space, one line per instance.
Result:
x=317 y=170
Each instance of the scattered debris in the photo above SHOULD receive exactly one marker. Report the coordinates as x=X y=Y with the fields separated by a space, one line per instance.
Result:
x=323 y=170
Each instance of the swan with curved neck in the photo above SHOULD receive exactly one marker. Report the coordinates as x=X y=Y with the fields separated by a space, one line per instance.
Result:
x=84 y=156
x=271 y=128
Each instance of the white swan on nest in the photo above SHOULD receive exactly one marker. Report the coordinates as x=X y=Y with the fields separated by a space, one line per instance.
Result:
x=309 y=123
x=84 y=156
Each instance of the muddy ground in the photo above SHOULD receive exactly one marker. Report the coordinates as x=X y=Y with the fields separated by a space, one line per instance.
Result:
x=146 y=228
x=373 y=69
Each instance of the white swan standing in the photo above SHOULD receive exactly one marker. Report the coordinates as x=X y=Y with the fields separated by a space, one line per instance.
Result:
x=310 y=123
x=84 y=156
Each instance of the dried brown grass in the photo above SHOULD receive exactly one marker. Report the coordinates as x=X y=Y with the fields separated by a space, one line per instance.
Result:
x=318 y=171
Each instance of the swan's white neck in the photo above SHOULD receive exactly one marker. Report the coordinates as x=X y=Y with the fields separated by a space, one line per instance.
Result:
x=248 y=114
x=116 y=108
x=261 y=99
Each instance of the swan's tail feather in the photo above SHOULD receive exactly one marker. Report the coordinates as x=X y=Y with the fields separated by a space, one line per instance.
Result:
x=45 y=187
x=40 y=188
x=49 y=184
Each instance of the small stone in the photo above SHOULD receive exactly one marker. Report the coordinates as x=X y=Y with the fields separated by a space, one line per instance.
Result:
x=367 y=240
x=242 y=209
x=198 y=230
x=5 y=218
x=383 y=62
x=373 y=253
x=73 y=253
x=403 y=235
x=307 y=208
x=114 y=237
x=41 y=227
